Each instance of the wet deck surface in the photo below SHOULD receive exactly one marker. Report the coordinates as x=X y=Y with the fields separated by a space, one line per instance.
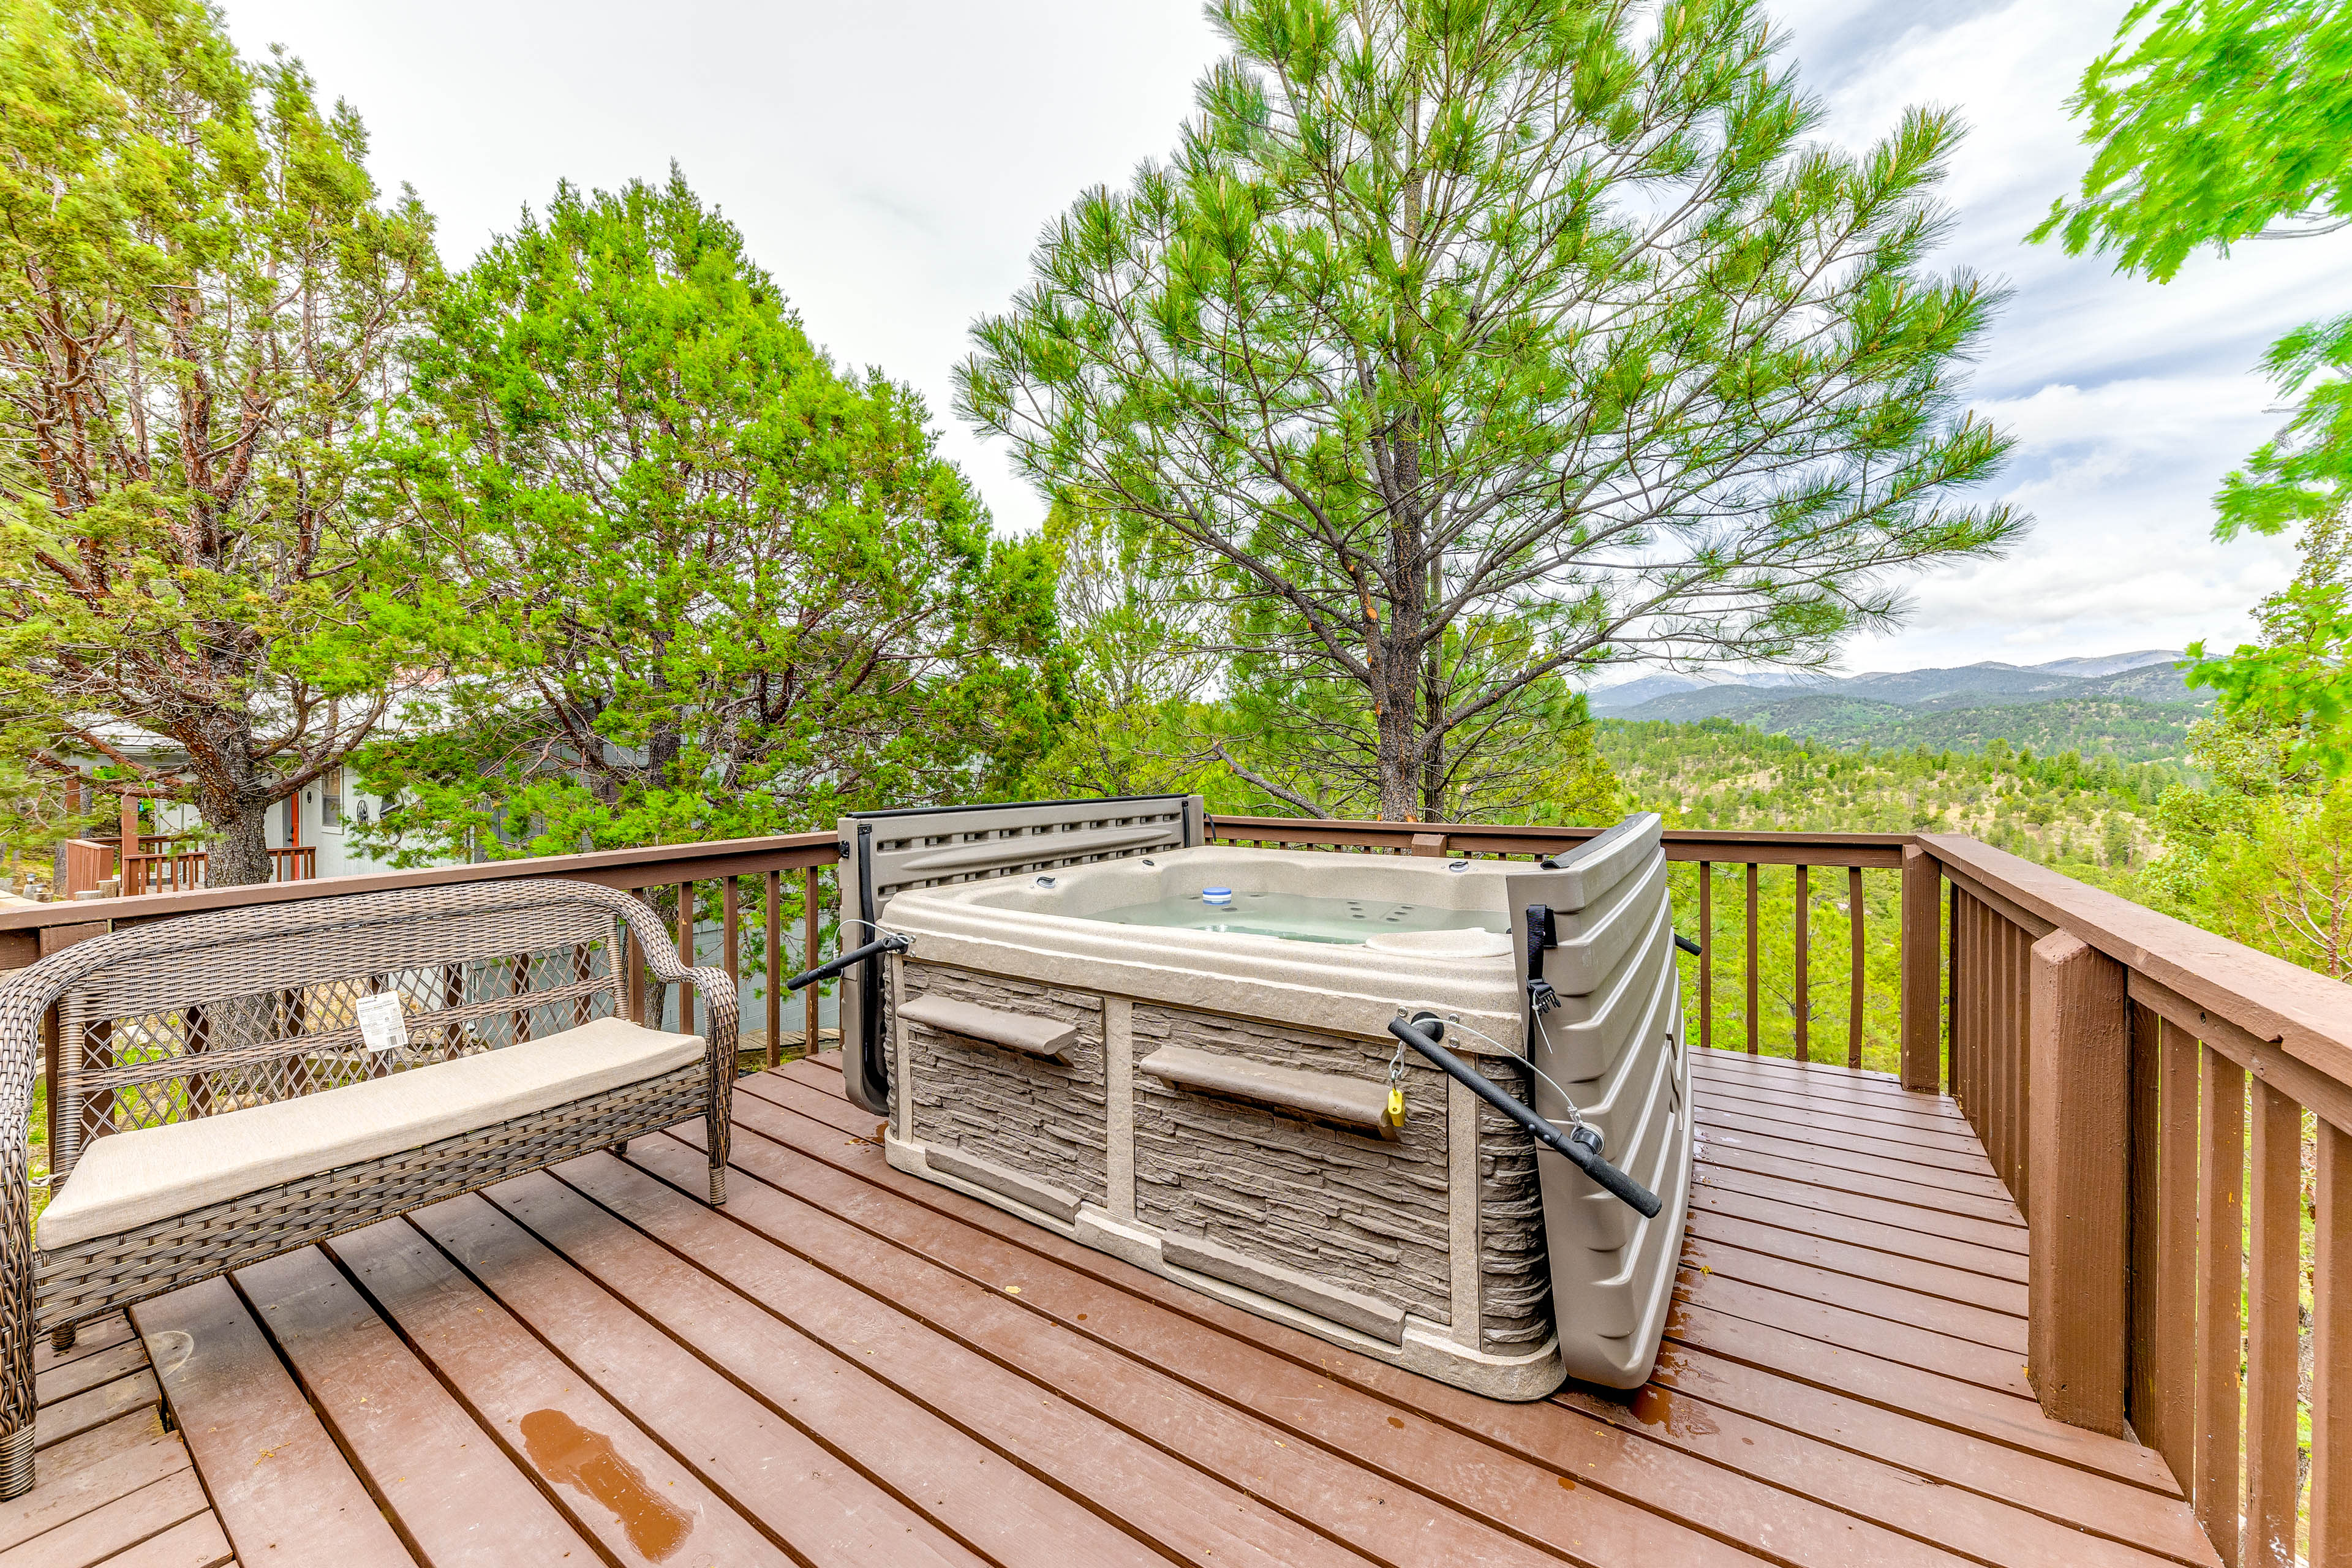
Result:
x=849 y=1365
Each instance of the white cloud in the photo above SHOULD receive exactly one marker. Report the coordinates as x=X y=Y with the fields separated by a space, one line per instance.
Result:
x=2123 y=556
x=2130 y=400
x=892 y=167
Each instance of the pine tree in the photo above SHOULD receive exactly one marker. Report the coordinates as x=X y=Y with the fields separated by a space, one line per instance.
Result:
x=1464 y=347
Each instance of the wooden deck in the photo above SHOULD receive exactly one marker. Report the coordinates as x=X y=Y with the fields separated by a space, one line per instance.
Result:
x=849 y=1365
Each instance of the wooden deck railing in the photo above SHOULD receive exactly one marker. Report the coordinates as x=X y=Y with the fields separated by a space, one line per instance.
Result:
x=2127 y=1073
x=2123 y=1070
x=166 y=870
x=703 y=886
x=162 y=864
x=88 y=863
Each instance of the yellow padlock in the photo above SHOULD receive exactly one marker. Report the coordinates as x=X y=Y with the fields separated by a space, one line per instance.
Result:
x=1394 y=1115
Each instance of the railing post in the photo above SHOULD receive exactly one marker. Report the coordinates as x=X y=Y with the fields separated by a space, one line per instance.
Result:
x=1755 y=1016
x=1922 y=892
x=1801 y=1025
x=730 y=917
x=809 y=930
x=776 y=965
x=1706 y=955
x=1855 y=986
x=2078 y=1209
x=2331 y=1350
x=686 y=951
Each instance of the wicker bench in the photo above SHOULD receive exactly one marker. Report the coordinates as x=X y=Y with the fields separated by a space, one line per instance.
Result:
x=219 y=1101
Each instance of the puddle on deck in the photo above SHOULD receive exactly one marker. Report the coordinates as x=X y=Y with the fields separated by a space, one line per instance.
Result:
x=569 y=1454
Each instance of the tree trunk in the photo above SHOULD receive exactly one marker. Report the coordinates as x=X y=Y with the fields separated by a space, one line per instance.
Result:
x=232 y=794
x=239 y=852
x=1396 y=698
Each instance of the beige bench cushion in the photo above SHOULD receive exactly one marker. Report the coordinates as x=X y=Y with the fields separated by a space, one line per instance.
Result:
x=124 y=1180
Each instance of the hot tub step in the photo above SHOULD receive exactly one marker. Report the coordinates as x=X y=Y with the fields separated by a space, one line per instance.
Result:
x=1043 y=1196
x=1363 y=1313
x=1014 y=1031
x=1355 y=1101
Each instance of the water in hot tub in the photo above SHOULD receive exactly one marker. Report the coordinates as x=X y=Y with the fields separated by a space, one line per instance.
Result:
x=1301 y=918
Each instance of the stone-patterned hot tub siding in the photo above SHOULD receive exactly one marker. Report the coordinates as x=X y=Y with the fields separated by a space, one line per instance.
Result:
x=1026 y=1113
x=1356 y=1209
x=1514 y=1281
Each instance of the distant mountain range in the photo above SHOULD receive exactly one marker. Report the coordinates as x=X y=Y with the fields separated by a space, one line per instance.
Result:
x=2132 y=706
x=2144 y=676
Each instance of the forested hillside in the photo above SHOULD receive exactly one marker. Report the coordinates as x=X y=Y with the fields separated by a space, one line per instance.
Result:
x=2086 y=813
x=2090 y=726
x=2093 y=817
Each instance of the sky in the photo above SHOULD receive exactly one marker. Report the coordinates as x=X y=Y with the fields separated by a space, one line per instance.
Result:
x=892 y=166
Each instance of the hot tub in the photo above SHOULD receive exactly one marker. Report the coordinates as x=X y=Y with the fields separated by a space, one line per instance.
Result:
x=1180 y=1053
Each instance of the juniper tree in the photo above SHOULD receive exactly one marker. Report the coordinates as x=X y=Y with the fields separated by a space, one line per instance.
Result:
x=689 y=580
x=200 y=303
x=1467 y=346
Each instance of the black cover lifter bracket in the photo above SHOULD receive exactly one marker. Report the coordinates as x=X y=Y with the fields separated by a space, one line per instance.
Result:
x=1581 y=1146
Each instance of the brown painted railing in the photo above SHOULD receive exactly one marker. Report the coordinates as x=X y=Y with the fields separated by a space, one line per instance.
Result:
x=88 y=863
x=2122 y=1069
x=1723 y=896
x=704 y=885
x=169 y=870
x=160 y=864
x=2125 y=1072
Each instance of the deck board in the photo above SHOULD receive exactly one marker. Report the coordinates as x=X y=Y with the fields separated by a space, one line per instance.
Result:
x=199 y=1543
x=458 y=1500
x=1958 y=1320
x=1720 y=1132
x=849 y=1364
x=903 y=1382
x=111 y=1485
x=1278 y=1429
x=1235 y=1384
x=612 y=1476
x=1918 y=1279
x=1711 y=1112
x=282 y=1488
x=767 y=1468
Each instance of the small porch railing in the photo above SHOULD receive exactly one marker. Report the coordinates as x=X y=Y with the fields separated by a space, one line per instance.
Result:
x=167 y=869
x=2171 y=1111
x=162 y=863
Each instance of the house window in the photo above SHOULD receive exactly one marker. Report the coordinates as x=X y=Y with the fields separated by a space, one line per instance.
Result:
x=331 y=798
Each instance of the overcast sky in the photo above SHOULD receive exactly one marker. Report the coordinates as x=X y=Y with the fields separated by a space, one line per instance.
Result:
x=892 y=165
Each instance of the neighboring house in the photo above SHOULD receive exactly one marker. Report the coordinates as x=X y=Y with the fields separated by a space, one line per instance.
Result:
x=318 y=821
x=323 y=817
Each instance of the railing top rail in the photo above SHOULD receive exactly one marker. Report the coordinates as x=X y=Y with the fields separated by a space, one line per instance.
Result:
x=1875 y=850
x=2304 y=1012
x=1305 y=827
x=624 y=868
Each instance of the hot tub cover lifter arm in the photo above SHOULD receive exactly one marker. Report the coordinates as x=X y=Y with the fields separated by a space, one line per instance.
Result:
x=1581 y=1147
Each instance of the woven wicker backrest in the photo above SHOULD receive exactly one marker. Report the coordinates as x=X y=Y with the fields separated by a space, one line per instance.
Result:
x=216 y=1011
